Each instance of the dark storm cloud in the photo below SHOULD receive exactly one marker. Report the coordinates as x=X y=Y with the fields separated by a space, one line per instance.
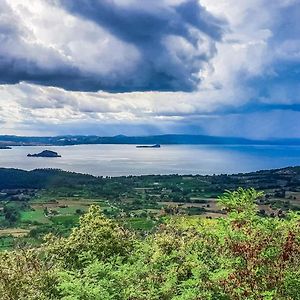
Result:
x=165 y=62
x=147 y=26
x=140 y=22
x=19 y=58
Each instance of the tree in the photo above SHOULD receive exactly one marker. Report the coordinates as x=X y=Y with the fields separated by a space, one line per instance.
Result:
x=240 y=201
x=241 y=256
x=96 y=237
x=24 y=275
x=11 y=213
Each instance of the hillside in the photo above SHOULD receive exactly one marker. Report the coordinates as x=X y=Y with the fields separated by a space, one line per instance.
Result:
x=165 y=139
x=242 y=256
x=72 y=236
x=34 y=203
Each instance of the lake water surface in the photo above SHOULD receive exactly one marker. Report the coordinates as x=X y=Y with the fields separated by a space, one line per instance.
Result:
x=118 y=160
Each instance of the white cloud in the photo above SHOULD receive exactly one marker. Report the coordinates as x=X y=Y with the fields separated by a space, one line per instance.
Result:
x=139 y=105
x=51 y=37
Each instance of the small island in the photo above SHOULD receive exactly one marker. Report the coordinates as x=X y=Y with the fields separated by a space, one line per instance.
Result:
x=45 y=153
x=149 y=146
x=4 y=147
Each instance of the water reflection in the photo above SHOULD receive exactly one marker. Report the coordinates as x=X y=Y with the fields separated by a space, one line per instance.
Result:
x=116 y=160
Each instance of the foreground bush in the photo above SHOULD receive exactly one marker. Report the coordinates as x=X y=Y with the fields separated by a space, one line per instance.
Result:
x=242 y=256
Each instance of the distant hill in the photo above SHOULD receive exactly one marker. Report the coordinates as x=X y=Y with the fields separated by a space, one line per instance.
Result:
x=41 y=178
x=166 y=139
x=54 y=178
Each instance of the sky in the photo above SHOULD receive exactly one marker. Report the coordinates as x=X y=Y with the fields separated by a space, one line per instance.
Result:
x=141 y=67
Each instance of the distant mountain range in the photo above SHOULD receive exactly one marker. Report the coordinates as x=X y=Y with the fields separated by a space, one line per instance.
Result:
x=166 y=139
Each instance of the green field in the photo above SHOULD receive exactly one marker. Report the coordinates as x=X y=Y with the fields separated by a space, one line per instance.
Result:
x=34 y=216
x=140 y=203
x=140 y=224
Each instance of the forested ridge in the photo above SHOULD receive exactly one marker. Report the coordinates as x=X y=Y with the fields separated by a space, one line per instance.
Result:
x=51 y=178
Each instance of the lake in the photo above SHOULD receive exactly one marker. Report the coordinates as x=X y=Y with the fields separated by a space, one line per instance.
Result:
x=119 y=160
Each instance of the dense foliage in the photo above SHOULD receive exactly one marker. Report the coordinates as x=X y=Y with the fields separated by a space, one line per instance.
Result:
x=242 y=256
x=178 y=185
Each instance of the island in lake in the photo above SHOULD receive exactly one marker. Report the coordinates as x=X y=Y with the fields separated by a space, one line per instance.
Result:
x=45 y=153
x=149 y=146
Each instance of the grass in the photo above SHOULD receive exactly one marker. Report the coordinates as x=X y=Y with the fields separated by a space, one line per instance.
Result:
x=140 y=224
x=2 y=219
x=69 y=220
x=6 y=243
x=34 y=215
x=71 y=210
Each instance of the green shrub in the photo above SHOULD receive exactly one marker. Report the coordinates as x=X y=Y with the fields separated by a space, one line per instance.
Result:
x=241 y=256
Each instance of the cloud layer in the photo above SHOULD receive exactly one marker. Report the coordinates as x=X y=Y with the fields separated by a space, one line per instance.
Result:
x=107 y=45
x=138 y=66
